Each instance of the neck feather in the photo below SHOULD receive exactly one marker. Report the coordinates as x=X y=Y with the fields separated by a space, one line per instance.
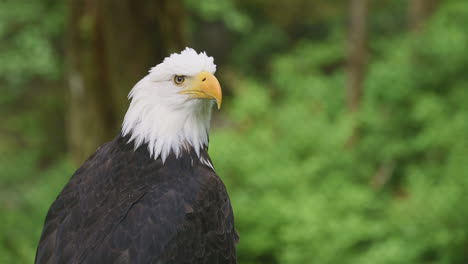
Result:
x=168 y=129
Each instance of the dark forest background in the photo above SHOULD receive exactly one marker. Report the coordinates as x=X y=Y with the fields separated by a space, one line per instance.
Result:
x=343 y=136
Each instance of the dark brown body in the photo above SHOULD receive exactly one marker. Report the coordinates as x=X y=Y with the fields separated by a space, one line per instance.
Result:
x=122 y=206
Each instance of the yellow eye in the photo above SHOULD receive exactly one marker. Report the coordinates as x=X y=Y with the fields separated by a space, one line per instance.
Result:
x=179 y=79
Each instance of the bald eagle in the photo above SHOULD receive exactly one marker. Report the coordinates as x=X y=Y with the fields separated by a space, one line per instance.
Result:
x=151 y=195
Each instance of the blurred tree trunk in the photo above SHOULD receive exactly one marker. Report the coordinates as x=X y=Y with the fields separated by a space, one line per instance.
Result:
x=357 y=52
x=357 y=59
x=419 y=12
x=111 y=45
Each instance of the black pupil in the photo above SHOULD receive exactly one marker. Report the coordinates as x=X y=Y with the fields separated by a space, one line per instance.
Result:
x=179 y=79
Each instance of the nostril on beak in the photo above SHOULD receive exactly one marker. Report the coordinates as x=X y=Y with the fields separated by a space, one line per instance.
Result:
x=204 y=79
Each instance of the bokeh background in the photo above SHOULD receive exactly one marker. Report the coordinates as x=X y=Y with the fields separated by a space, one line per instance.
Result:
x=343 y=136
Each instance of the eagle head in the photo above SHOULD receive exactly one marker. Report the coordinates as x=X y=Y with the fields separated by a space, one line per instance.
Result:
x=170 y=108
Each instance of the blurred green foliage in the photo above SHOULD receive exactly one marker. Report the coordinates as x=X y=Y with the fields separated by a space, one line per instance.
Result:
x=397 y=196
x=31 y=129
x=301 y=192
x=28 y=30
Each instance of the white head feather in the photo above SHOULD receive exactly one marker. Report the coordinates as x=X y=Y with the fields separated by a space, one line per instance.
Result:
x=161 y=117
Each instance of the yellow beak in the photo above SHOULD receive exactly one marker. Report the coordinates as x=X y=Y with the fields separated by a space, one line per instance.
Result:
x=205 y=86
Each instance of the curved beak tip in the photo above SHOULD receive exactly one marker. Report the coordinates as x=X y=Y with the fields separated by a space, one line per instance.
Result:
x=206 y=86
x=211 y=88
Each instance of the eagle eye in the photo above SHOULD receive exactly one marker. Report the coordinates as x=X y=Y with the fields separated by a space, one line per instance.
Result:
x=179 y=79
